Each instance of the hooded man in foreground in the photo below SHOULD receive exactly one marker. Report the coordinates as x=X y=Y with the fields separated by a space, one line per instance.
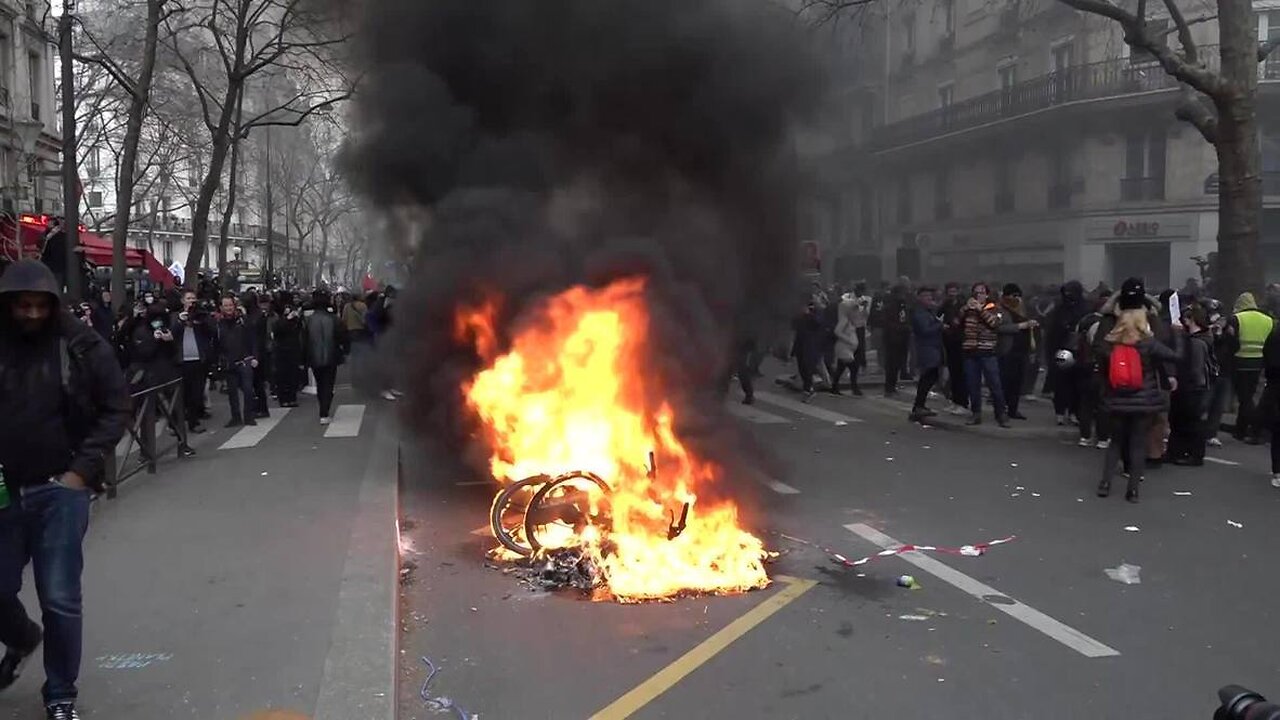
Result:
x=64 y=406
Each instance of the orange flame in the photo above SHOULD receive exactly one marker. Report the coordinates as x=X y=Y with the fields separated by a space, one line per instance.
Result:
x=573 y=393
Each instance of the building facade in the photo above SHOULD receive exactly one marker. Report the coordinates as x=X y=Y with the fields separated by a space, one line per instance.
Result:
x=30 y=141
x=1022 y=142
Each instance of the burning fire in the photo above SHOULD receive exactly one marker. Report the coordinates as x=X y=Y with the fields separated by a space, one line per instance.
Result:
x=573 y=394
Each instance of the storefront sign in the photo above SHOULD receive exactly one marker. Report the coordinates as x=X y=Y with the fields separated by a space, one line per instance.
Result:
x=1125 y=228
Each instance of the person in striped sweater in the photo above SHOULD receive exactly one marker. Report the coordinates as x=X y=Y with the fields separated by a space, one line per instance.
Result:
x=981 y=321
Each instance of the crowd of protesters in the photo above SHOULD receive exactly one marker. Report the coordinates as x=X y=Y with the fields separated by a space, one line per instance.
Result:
x=1139 y=383
x=253 y=345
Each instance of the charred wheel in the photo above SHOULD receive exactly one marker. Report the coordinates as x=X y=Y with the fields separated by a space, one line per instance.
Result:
x=562 y=507
x=507 y=514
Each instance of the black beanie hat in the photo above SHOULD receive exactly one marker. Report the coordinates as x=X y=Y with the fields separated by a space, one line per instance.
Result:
x=1011 y=289
x=1133 y=294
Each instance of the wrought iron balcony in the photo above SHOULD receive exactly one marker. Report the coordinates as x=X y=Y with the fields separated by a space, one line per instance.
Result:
x=1109 y=78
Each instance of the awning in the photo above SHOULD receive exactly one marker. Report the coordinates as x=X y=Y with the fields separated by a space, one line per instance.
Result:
x=97 y=251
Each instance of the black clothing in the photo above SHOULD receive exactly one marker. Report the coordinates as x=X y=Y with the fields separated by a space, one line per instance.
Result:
x=324 y=339
x=1187 y=431
x=1129 y=445
x=287 y=358
x=34 y=445
x=234 y=341
x=325 y=378
x=92 y=397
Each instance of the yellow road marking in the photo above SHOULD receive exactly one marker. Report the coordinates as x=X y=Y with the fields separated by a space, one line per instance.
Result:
x=647 y=691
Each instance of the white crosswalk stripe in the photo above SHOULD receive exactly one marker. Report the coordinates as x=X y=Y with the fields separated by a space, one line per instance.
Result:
x=1035 y=619
x=755 y=414
x=779 y=487
x=812 y=411
x=1220 y=461
x=250 y=436
x=346 y=421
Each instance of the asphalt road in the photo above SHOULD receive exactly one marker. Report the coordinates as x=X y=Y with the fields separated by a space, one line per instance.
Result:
x=1032 y=629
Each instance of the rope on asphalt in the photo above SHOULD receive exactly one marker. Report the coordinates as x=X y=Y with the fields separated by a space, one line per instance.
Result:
x=441 y=703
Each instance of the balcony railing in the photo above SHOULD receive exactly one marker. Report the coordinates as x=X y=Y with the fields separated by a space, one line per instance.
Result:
x=1143 y=188
x=1109 y=78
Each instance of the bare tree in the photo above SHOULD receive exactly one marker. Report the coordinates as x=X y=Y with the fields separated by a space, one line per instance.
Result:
x=1222 y=105
x=138 y=90
x=222 y=45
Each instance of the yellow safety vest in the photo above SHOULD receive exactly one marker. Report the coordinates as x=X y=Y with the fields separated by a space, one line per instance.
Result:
x=1255 y=326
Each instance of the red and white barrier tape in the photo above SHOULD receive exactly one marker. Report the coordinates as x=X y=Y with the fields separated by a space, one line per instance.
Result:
x=965 y=550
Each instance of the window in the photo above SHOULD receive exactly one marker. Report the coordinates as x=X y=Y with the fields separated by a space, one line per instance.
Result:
x=904 y=201
x=193 y=172
x=94 y=198
x=33 y=70
x=1159 y=29
x=1004 y=198
x=942 y=195
x=1059 y=177
x=1144 y=162
x=1063 y=54
x=865 y=208
x=164 y=204
x=5 y=55
x=946 y=93
x=1007 y=74
x=167 y=247
x=93 y=162
x=909 y=32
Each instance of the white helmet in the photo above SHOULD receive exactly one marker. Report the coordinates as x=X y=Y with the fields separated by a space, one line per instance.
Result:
x=1064 y=359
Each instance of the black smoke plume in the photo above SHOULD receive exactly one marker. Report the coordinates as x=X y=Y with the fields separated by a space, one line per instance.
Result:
x=557 y=142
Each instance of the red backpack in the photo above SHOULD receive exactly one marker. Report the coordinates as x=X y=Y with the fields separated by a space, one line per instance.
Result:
x=1126 y=368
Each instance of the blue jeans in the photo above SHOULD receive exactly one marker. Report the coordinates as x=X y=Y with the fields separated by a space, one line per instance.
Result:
x=45 y=524
x=240 y=384
x=977 y=367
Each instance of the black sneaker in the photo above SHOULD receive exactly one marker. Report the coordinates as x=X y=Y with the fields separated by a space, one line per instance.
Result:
x=250 y=422
x=15 y=659
x=61 y=711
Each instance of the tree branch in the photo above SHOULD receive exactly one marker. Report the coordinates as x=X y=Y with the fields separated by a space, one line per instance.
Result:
x=1185 y=69
x=1265 y=48
x=1184 y=31
x=1192 y=109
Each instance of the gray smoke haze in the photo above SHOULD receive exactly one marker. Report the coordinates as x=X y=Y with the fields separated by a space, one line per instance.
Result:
x=560 y=142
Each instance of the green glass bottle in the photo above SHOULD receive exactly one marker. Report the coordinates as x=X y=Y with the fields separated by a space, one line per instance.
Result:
x=4 y=490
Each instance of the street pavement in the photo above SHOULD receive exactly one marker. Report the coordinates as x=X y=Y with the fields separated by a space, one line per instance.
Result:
x=1032 y=629
x=254 y=580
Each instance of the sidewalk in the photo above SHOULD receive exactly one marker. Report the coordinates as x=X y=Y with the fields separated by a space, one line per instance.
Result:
x=243 y=580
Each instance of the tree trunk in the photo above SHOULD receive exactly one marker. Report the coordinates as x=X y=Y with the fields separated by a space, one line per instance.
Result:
x=212 y=181
x=225 y=228
x=224 y=231
x=125 y=179
x=324 y=253
x=1239 y=266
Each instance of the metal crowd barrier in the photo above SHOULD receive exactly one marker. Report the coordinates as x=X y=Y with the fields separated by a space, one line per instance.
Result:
x=142 y=450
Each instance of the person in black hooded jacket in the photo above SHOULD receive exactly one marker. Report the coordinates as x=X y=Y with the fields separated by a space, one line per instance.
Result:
x=1059 y=334
x=1271 y=399
x=64 y=406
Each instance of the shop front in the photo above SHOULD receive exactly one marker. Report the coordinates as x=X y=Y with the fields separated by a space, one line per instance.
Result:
x=1159 y=248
